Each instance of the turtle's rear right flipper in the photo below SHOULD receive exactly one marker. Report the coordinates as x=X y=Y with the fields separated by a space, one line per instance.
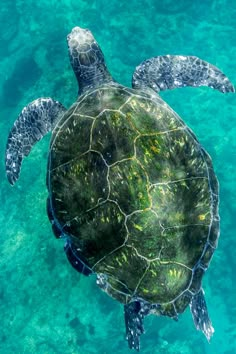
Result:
x=35 y=120
x=200 y=315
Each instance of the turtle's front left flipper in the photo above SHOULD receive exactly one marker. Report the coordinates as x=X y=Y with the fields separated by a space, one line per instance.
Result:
x=134 y=314
x=35 y=120
x=171 y=71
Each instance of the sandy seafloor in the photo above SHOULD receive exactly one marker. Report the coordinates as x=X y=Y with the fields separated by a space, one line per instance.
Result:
x=45 y=306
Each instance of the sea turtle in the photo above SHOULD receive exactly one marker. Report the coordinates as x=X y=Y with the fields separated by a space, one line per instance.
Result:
x=131 y=190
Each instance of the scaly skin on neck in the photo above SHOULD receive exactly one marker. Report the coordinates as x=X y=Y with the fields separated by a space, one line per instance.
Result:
x=87 y=60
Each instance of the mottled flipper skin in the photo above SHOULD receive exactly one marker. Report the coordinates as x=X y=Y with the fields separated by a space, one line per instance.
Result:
x=172 y=71
x=35 y=120
x=134 y=324
x=134 y=314
x=200 y=314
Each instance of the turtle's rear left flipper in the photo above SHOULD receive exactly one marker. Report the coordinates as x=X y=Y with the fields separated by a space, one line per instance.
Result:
x=172 y=71
x=134 y=314
x=200 y=314
x=35 y=120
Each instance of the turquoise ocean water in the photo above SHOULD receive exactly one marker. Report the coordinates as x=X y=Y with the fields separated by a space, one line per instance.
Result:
x=45 y=306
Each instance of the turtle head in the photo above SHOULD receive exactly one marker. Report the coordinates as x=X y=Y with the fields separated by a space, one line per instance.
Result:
x=87 y=59
x=80 y=40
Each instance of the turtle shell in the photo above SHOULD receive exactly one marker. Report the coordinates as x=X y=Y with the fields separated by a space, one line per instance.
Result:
x=131 y=187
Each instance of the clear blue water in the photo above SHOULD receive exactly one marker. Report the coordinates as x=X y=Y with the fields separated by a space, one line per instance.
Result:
x=45 y=306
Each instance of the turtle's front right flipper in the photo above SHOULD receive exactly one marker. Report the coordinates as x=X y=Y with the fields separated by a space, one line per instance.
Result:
x=35 y=121
x=172 y=71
